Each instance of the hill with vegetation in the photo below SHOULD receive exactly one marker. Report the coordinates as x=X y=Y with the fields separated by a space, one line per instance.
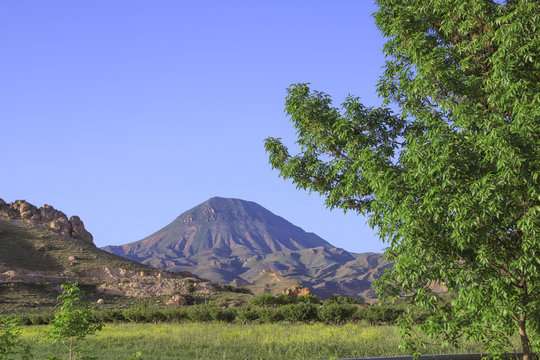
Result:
x=40 y=248
x=232 y=241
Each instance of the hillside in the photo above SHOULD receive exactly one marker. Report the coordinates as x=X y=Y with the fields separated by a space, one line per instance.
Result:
x=232 y=241
x=42 y=248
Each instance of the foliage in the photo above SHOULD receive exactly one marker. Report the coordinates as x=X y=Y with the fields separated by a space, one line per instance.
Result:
x=223 y=315
x=263 y=300
x=74 y=321
x=283 y=299
x=382 y=314
x=247 y=314
x=10 y=342
x=343 y=300
x=269 y=314
x=309 y=298
x=334 y=313
x=200 y=313
x=452 y=182
x=301 y=312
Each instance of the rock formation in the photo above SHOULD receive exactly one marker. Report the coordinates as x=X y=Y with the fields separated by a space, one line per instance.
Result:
x=297 y=291
x=22 y=213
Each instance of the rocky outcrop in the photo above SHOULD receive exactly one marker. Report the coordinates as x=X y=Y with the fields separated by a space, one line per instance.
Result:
x=177 y=300
x=297 y=291
x=22 y=213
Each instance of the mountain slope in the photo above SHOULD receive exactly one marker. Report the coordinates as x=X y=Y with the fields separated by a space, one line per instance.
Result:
x=43 y=248
x=235 y=241
x=224 y=228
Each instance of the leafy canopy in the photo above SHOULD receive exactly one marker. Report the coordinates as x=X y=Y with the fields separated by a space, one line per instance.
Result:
x=452 y=180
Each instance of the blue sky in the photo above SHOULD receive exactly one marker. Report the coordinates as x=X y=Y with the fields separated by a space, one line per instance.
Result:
x=128 y=113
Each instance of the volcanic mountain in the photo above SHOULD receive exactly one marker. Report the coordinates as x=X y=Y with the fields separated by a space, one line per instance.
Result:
x=239 y=242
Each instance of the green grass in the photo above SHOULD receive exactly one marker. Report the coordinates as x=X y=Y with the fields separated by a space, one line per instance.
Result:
x=232 y=341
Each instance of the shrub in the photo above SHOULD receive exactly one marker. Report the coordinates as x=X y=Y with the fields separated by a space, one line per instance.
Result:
x=337 y=313
x=247 y=314
x=10 y=344
x=263 y=300
x=74 y=321
x=200 y=313
x=270 y=315
x=138 y=313
x=303 y=312
x=176 y=314
x=190 y=285
x=282 y=299
x=309 y=298
x=110 y=315
x=222 y=315
x=383 y=313
x=343 y=300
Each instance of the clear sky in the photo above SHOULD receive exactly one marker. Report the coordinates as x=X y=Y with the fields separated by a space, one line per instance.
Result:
x=128 y=113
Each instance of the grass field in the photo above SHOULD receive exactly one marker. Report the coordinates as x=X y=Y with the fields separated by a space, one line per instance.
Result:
x=232 y=341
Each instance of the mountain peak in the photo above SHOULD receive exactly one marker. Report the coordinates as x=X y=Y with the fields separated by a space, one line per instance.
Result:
x=223 y=226
x=219 y=209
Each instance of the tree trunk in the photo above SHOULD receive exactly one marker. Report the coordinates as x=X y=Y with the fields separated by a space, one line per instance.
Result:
x=525 y=343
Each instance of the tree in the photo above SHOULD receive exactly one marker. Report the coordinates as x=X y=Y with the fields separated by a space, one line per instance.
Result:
x=451 y=181
x=10 y=342
x=74 y=321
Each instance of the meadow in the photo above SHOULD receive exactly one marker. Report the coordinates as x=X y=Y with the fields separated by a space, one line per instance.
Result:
x=214 y=340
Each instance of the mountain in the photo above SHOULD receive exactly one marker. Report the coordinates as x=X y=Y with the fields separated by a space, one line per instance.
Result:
x=239 y=242
x=40 y=248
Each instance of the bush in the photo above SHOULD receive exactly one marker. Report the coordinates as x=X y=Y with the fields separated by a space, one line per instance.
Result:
x=34 y=319
x=343 y=300
x=263 y=300
x=190 y=285
x=176 y=314
x=270 y=315
x=138 y=313
x=222 y=315
x=10 y=344
x=383 y=313
x=247 y=314
x=310 y=299
x=282 y=299
x=110 y=315
x=299 y=312
x=337 y=313
x=200 y=313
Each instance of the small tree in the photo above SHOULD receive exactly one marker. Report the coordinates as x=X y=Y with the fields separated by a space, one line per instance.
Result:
x=10 y=343
x=74 y=321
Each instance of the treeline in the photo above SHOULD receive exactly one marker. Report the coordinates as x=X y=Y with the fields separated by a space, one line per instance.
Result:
x=264 y=309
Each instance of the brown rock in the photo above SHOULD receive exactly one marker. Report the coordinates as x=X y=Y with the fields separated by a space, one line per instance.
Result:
x=26 y=210
x=177 y=300
x=100 y=301
x=296 y=291
x=79 y=232
x=48 y=213
x=26 y=214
